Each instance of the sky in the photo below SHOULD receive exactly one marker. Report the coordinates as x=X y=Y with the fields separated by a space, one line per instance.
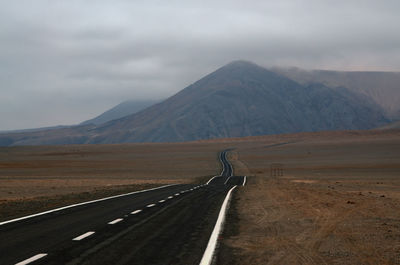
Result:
x=63 y=62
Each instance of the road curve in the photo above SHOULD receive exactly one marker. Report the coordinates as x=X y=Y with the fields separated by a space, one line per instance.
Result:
x=170 y=225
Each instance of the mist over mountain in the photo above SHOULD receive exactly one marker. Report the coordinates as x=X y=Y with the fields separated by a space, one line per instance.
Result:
x=239 y=99
x=382 y=87
x=123 y=109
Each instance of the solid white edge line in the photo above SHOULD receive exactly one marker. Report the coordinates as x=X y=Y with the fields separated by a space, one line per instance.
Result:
x=208 y=182
x=227 y=180
x=136 y=212
x=150 y=205
x=83 y=236
x=32 y=259
x=212 y=242
x=115 y=221
x=82 y=203
x=244 y=180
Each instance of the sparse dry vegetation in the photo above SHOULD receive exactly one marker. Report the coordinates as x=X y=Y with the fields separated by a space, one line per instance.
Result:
x=337 y=201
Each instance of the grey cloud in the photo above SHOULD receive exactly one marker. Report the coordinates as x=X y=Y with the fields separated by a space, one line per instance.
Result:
x=65 y=61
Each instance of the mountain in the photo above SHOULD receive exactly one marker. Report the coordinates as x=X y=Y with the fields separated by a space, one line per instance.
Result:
x=239 y=99
x=123 y=109
x=382 y=87
x=390 y=126
x=36 y=129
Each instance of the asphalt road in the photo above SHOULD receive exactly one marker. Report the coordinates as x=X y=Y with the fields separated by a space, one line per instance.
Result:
x=170 y=225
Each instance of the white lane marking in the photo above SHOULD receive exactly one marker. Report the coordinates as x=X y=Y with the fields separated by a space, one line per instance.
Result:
x=223 y=164
x=136 y=212
x=170 y=197
x=176 y=194
x=208 y=182
x=115 y=221
x=244 y=181
x=162 y=201
x=212 y=242
x=83 y=236
x=32 y=259
x=150 y=205
x=82 y=203
x=227 y=180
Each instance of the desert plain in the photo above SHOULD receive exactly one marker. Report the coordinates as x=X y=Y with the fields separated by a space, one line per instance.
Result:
x=310 y=198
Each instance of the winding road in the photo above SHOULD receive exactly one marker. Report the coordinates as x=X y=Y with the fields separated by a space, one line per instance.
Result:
x=165 y=225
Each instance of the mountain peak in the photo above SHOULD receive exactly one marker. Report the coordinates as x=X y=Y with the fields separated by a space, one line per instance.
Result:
x=241 y=64
x=239 y=99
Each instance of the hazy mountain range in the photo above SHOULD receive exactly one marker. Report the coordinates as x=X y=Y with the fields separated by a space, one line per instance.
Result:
x=121 y=110
x=239 y=99
x=382 y=87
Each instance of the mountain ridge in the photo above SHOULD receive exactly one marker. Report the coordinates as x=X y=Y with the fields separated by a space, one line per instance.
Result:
x=123 y=109
x=382 y=87
x=238 y=99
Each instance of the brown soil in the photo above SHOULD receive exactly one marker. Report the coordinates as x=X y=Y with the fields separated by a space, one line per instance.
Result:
x=311 y=198
x=30 y=172
x=337 y=202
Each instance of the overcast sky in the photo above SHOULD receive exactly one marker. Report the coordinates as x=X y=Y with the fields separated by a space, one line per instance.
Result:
x=62 y=62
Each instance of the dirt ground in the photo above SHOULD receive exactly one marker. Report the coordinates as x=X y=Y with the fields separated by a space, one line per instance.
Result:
x=39 y=178
x=311 y=198
x=29 y=172
x=318 y=201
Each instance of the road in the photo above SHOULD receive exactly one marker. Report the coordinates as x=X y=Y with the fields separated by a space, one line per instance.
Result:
x=169 y=225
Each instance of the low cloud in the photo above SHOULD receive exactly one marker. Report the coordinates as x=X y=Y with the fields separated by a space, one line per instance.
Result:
x=62 y=62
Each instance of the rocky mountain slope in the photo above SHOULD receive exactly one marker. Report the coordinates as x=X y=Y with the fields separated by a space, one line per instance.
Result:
x=382 y=87
x=239 y=99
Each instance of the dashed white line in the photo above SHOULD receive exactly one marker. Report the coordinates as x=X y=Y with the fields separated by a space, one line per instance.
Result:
x=170 y=197
x=227 y=180
x=115 y=221
x=32 y=259
x=244 y=180
x=82 y=203
x=136 y=212
x=150 y=205
x=78 y=238
x=161 y=201
x=176 y=194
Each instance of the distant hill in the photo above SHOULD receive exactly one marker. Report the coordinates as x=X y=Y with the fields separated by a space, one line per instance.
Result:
x=239 y=99
x=382 y=87
x=393 y=125
x=37 y=129
x=123 y=109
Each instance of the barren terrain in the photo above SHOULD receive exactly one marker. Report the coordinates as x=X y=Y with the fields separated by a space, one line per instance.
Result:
x=337 y=201
x=311 y=198
x=39 y=178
